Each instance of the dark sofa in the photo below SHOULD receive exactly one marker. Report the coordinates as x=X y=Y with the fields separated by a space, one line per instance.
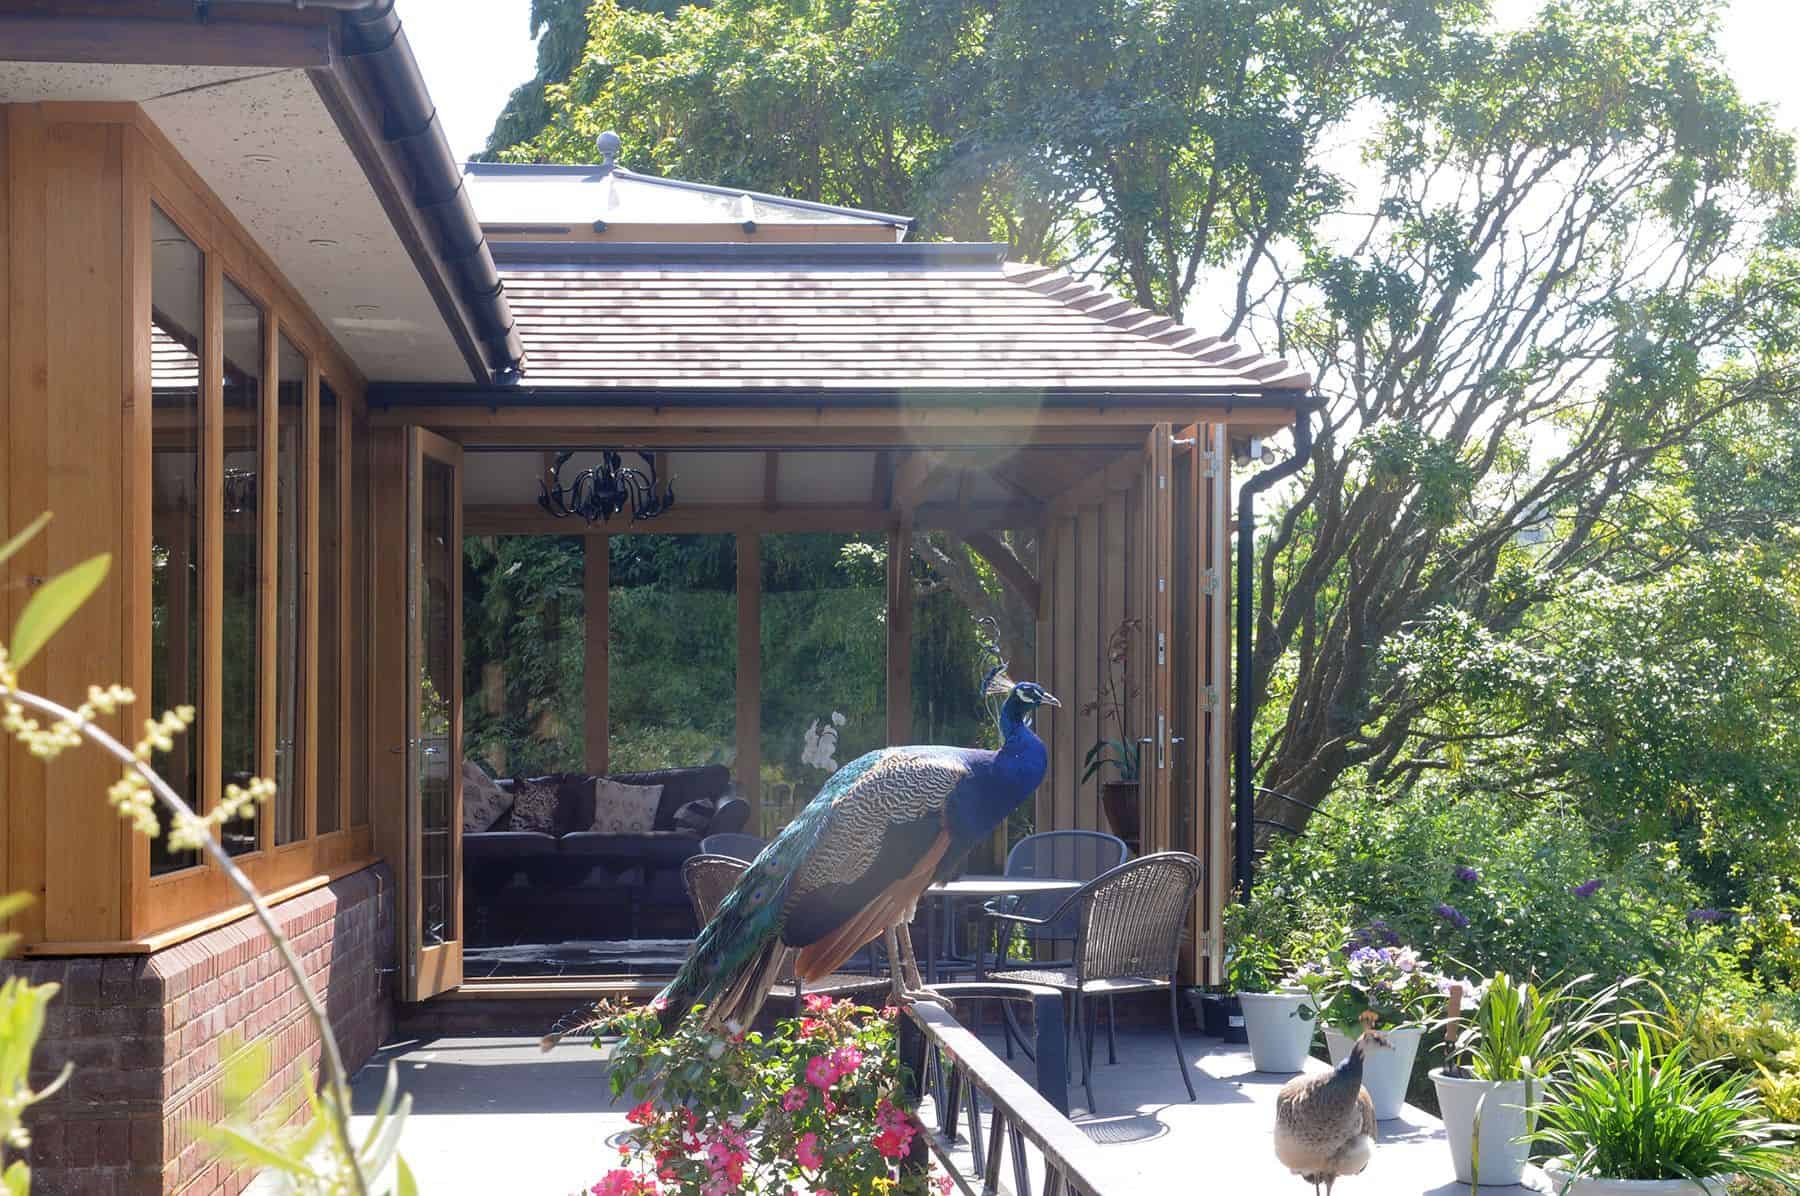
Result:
x=576 y=883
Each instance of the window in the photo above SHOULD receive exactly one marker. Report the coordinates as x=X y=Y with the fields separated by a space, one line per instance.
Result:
x=672 y=651
x=328 y=789
x=242 y=614
x=289 y=804
x=177 y=451
x=824 y=663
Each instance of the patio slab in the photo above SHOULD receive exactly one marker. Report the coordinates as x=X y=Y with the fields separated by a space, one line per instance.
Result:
x=497 y=1114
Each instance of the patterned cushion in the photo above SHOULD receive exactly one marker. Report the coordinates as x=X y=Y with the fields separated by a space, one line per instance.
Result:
x=534 y=805
x=483 y=801
x=624 y=809
x=695 y=816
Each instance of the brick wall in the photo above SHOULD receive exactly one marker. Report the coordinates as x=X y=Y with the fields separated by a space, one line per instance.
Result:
x=144 y=1033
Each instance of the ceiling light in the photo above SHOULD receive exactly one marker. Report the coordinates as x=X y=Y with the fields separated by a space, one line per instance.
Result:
x=260 y=159
x=322 y=243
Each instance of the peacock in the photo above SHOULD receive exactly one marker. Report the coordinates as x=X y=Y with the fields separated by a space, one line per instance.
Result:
x=852 y=865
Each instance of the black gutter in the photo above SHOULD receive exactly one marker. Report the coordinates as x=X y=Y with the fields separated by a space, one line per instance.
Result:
x=889 y=255
x=387 y=74
x=1099 y=399
x=1246 y=624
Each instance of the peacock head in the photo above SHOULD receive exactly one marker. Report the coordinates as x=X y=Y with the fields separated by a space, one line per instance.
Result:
x=1033 y=694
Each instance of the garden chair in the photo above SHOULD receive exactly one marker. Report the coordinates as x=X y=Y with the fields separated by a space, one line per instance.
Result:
x=735 y=844
x=708 y=878
x=1128 y=928
x=1059 y=855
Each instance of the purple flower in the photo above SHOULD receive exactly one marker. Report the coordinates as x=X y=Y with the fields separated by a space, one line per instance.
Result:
x=1588 y=889
x=1707 y=915
x=1452 y=915
x=1365 y=955
x=1467 y=874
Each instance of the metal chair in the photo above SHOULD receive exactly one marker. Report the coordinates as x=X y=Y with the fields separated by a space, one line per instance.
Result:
x=708 y=878
x=1128 y=926
x=735 y=844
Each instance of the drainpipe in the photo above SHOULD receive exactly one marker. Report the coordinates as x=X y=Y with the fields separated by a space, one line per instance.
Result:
x=1246 y=593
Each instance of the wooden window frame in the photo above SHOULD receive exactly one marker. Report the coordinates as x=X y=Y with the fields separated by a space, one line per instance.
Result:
x=164 y=909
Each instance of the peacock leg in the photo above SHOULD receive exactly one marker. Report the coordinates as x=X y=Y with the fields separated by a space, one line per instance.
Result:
x=895 y=968
x=907 y=972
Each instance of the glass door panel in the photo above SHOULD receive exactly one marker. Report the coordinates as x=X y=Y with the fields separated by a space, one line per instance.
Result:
x=434 y=731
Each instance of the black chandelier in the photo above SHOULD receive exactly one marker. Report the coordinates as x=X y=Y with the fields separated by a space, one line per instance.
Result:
x=604 y=490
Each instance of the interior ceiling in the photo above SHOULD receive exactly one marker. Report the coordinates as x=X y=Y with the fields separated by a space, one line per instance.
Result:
x=264 y=142
x=501 y=478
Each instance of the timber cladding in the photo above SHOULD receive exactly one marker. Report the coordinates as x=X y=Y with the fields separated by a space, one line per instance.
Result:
x=146 y=1034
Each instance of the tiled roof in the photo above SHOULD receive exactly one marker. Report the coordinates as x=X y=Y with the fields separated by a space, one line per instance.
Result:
x=908 y=317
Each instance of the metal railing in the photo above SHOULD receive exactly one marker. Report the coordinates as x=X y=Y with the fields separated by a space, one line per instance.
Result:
x=989 y=1120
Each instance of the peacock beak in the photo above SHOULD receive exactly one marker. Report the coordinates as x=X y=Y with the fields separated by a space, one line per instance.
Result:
x=1049 y=699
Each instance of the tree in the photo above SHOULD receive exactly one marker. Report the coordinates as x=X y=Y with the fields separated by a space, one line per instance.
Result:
x=1525 y=266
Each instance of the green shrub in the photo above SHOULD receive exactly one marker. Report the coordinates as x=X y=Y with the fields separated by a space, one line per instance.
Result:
x=1489 y=885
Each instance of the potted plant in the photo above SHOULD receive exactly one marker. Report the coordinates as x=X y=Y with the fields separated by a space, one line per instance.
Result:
x=1511 y=1036
x=1634 y=1119
x=1276 y=1012
x=1372 y=972
x=1119 y=750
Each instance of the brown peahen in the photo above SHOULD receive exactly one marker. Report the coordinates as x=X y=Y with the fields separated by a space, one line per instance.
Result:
x=1325 y=1122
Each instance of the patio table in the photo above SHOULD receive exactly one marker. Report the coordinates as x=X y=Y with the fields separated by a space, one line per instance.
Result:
x=976 y=887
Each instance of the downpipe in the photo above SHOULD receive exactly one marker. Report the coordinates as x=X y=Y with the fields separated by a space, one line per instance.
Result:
x=1244 y=717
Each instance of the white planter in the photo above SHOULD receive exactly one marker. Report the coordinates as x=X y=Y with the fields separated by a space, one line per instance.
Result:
x=1385 y=1073
x=1634 y=1187
x=1280 y=1038
x=1504 y=1124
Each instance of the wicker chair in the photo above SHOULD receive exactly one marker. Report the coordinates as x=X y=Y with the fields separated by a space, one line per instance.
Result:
x=735 y=844
x=1127 y=939
x=708 y=878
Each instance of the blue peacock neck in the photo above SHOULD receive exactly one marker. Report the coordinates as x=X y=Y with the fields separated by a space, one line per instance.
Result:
x=1017 y=768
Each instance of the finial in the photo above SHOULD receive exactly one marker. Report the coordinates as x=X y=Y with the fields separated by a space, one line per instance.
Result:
x=609 y=145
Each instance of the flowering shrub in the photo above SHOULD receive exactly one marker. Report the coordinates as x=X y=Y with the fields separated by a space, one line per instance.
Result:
x=1372 y=970
x=814 y=1107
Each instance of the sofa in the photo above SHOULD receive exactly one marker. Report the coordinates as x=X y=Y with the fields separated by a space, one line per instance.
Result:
x=574 y=883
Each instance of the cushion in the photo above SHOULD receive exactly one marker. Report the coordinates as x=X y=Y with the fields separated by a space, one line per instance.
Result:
x=621 y=809
x=534 y=805
x=695 y=816
x=483 y=801
x=680 y=786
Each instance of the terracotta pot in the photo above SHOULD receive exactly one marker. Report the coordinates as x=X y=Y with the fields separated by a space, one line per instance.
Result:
x=1120 y=801
x=1385 y=1073
x=1500 y=1105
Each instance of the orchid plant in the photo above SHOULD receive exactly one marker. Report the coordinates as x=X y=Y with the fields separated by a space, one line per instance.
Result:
x=814 y=1106
x=1372 y=971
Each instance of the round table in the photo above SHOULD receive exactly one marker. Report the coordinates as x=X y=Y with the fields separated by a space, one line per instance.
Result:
x=977 y=887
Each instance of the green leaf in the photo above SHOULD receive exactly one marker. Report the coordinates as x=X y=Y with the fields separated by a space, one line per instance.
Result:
x=23 y=538
x=53 y=604
x=241 y=1148
x=406 y=1186
x=16 y=1180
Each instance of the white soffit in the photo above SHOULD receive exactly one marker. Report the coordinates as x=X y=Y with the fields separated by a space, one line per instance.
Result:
x=264 y=142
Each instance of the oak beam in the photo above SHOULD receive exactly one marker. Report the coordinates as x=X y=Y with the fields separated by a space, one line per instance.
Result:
x=748 y=765
x=596 y=584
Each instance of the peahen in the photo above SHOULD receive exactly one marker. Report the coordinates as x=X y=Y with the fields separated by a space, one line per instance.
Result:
x=1325 y=1122
x=853 y=864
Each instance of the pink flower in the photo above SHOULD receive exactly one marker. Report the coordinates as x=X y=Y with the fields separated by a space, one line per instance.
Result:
x=793 y=1098
x=807 y=1151
x=644 y=1114
x=845 y=1060
x=894 y=1132
x=944 y=1184
x=820 y=1073
x=811 y=1027
x=818 y=1003
x=659 y=1004
x=620 y=1182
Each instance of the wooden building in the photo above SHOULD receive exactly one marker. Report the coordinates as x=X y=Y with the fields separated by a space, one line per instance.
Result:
x=263 y=341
